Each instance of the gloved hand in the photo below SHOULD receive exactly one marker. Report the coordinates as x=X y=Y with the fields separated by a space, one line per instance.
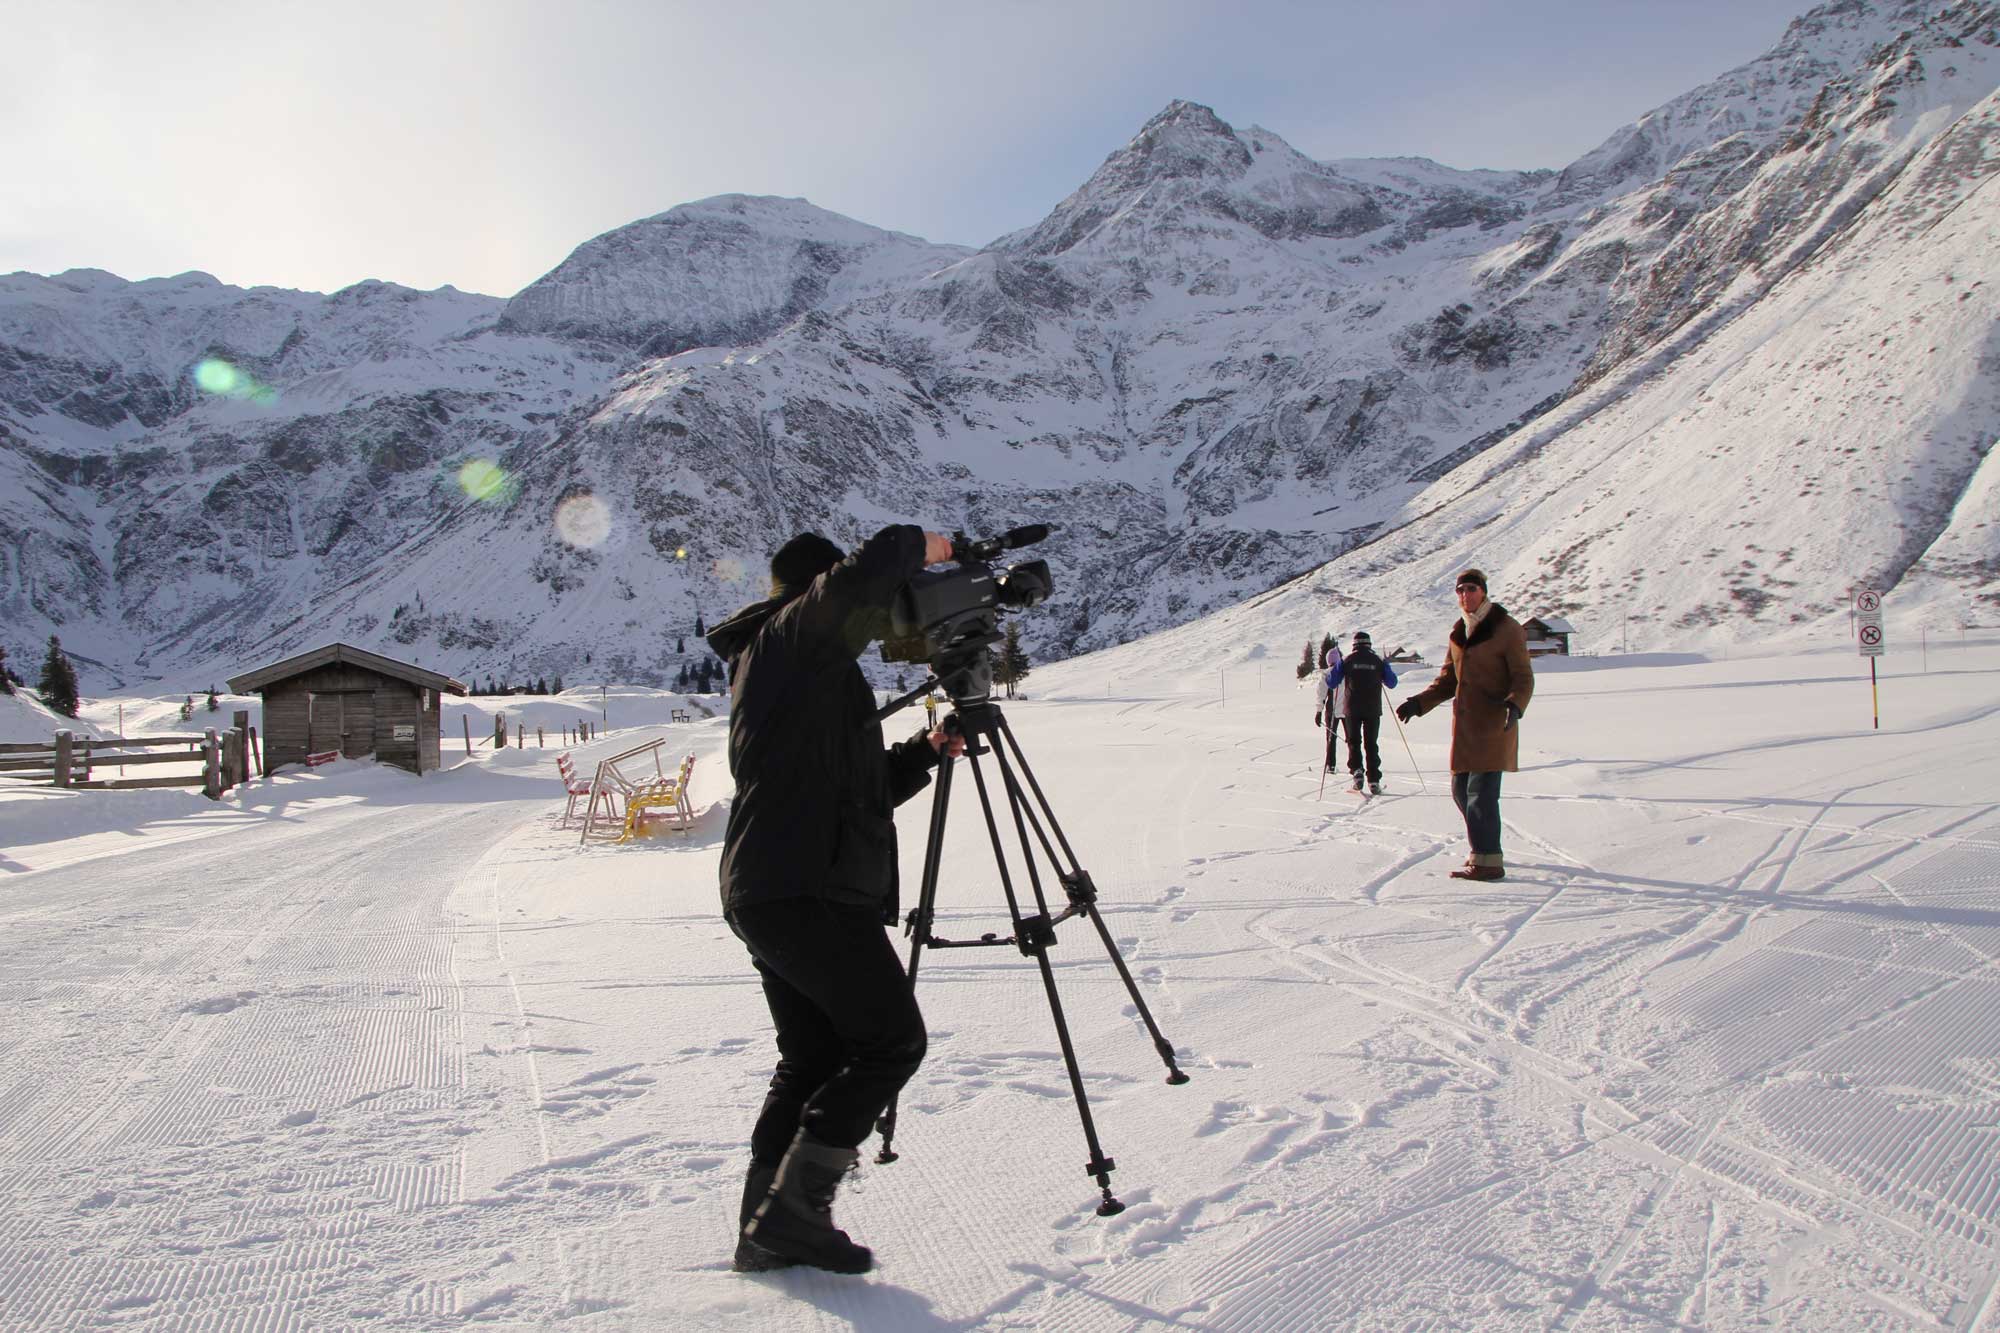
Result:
x=1316 y=721
x=1407 y=710
x=1513 y=716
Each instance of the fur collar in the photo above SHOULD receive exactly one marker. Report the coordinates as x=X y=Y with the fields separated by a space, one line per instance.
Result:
x=1490 y=616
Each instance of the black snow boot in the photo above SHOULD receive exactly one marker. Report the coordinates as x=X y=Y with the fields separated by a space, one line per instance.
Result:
x=794 y=1223
x=1355 y=785
x=750 y=1256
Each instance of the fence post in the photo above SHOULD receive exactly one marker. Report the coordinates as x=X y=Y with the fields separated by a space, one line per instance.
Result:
x=62 y=758
x=465 y=721
x=499 y=731
x=239 y=724
x=520 y=729
x=211 y=765
x=540 y=743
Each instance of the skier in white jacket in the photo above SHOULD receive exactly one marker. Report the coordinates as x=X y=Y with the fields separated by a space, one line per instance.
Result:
x=1329 y=704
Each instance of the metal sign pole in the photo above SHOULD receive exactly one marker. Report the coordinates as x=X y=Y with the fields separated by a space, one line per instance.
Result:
x=1867 y=613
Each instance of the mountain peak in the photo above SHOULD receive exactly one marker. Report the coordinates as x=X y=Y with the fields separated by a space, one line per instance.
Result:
x=1188 y=171
x=1186 y=140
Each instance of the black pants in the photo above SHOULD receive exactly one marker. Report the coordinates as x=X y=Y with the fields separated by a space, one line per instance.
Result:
x=1363 y=732
x=1478 y=798
x=848 y=1028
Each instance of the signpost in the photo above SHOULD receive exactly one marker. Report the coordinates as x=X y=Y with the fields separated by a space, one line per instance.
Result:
x=1868 y=640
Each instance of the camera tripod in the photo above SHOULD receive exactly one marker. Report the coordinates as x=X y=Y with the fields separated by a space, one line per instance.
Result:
x=986 y=732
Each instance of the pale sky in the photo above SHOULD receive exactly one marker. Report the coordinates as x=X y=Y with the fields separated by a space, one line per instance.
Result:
x=313 y=145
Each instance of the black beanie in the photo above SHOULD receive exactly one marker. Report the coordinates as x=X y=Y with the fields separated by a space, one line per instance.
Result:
x=1361 y=637
x=800 y=561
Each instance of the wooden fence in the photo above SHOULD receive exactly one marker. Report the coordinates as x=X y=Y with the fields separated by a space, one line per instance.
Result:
x=82 y=761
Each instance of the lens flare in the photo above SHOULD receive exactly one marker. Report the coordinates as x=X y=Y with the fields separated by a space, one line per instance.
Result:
x=681 y=553
x=484 y=479
x=583 y=520
x=216 y=376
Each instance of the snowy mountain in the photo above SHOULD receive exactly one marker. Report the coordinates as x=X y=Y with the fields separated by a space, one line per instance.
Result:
x=1730 y=362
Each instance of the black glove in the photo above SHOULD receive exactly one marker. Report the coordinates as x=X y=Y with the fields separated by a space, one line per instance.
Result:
x=1316 y=721
x=1407 y=710
x=1513 y=716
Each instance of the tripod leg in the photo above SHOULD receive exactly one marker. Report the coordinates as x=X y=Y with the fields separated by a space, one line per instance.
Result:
x=1099 y=1165
x=1033 y=936
x=1083 y=891
x=919 y=926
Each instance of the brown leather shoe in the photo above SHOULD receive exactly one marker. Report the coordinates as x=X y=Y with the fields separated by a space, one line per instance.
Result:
x=1479 y=872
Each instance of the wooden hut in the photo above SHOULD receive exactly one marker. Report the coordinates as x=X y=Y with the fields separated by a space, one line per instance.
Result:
x=339 y=697
x=1547 y=634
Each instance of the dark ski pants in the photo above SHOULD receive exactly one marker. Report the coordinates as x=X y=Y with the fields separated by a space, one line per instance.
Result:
x=1477 y=796
x=848 y=1028
x=1364 y=732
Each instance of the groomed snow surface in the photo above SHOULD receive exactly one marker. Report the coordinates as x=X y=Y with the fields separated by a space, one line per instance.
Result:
x=358 y=1049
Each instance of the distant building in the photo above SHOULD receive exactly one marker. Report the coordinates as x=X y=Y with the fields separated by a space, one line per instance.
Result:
x=1547 y=634
x=1402 y=654
x=341 y=698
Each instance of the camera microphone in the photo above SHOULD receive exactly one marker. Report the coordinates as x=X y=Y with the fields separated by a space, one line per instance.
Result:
x=986 y=548
x=1026 y=535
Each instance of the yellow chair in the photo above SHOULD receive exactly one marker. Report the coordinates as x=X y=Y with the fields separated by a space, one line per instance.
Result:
x=662 y=802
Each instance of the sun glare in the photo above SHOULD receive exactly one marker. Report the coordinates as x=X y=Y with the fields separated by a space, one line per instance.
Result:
x=484 y=479
x=583 y=520
x=216 y=376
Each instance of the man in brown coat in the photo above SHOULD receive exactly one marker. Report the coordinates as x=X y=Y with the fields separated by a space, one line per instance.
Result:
x=1488 y=679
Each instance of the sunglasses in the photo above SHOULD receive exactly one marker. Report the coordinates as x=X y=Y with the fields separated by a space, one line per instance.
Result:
x=1463 y=586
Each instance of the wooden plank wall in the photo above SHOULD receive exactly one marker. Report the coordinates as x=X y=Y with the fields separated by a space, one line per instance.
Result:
x=287 y=722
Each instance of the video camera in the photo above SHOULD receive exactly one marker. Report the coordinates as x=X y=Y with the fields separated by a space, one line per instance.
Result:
x=945 y=617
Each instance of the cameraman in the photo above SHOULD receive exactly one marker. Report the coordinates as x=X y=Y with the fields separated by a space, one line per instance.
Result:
x=809 y=878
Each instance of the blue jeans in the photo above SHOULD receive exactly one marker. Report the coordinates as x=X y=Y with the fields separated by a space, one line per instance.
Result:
x=1477 y=796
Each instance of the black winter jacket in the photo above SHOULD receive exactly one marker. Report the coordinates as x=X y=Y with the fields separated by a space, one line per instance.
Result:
x=1363 y=671
x=815 y=787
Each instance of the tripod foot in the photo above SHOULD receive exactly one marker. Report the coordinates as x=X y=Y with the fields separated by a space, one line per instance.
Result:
x=885 y=1156
x=1110 y=1207
x=1177 y=1077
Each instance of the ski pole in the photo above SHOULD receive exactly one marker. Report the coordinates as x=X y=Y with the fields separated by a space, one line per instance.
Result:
x=1322 y=773
x=1406 y=750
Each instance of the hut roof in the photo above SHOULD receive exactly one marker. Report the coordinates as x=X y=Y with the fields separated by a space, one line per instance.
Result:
x=1553 y=624
x=328 y=654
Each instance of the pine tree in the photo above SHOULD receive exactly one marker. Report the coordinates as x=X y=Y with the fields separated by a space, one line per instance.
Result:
x=541 y=685
x=214 y=704
x=557 y=684
x=681 y=678
x=58 y=683
x=680 y=645
x=1306 y=661
x=6 y=676
x=1013 y=665
x=699 y=632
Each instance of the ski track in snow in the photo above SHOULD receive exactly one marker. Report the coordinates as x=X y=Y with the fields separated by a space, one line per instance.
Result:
x=1722 y=1051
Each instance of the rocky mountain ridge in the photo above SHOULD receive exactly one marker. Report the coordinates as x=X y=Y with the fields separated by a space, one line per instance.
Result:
x=1216 y=364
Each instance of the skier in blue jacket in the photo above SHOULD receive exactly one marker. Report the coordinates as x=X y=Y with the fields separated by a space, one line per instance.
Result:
x=1362 y=674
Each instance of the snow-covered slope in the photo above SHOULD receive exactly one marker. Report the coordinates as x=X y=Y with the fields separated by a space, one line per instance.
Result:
x=1654 y=384
x=724 y=271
